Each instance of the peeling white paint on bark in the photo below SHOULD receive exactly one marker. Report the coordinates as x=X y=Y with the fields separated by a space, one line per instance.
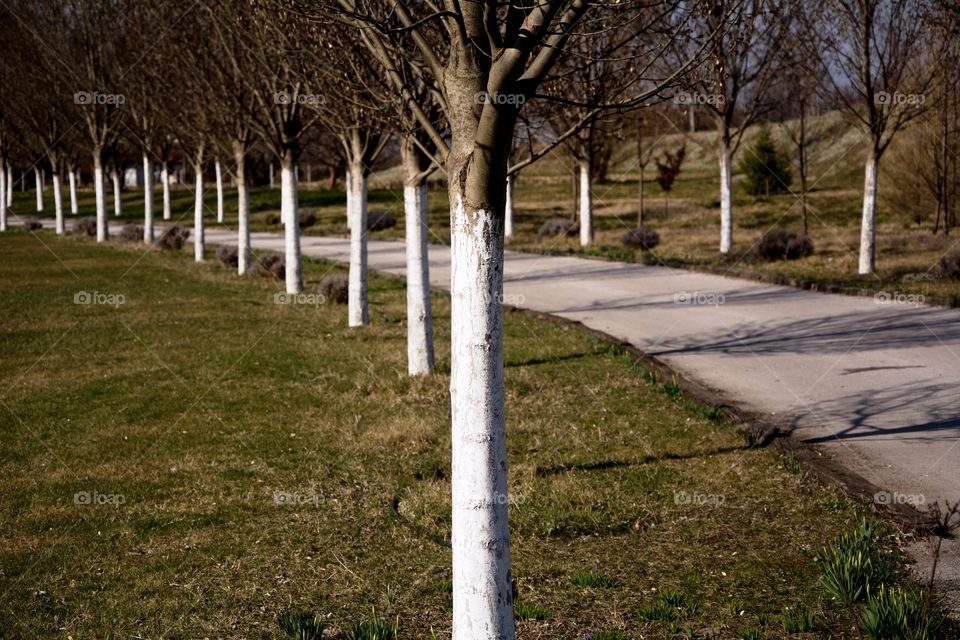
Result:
x=482 y=591
x=508 y=210
x=219 y=171
x=288 y=213
x=586 y=205
x=357 y=312
x=58 y=203
x=4 y=177
x=349 y=200
x=199 y=239
x=147 y=199
x=103 y=231
x=868 y=225
x=9 y=185
x=165 y=179
x=243 y=213
x=72 y=175
x=420 y=356
x=117 y=203
x=726 y=203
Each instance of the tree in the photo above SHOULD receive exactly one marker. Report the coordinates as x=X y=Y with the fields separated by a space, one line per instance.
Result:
x=470 y=50
x=766 y=169
x=880 y=76
x=667 y=172
x=732 y=86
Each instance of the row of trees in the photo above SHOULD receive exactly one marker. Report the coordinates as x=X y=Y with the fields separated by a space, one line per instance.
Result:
x=476 y=90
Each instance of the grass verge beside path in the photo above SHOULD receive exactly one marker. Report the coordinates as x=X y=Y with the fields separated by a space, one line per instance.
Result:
x=194 y=460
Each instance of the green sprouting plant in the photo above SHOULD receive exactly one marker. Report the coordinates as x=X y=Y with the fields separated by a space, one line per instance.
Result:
x=735 y=607
x=798 y=620
x=893 y=613
x=677 y=600
x=852 y=564
x=659 y=611
x=376 y=629
x=672 y=388
x=592 y=579
x=608 y=635
x=750 y=633
x=650 y=376
x=529 y=611
x=301 y=625
x=792 y=464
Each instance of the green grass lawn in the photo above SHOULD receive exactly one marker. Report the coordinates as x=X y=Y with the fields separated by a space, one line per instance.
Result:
x=193 y=460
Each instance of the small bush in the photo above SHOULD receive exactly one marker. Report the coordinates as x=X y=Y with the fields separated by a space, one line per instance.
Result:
x=767 y=169
x=892 y=613
x=950 y=264
x=131 y=233
x=380 y=221
x=173 y=238
x=643 y=238
x=85 y=227
x=308 y=218
x=783 y=244
x=558 y=227
x=228 y=255
x=301 y=625
x=334 y=289
x=32 y=224
x=269 y=265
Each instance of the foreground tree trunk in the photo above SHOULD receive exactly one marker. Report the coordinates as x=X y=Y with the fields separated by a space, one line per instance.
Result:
x=147 y=199
x=358 y=313
x=726 y=197
x=243 y=209
x=103 y=230
x=288 y=213
x=868 y=226
x=349 y=191
x=199 y=239
x=117 y=203
x=39 y=183
x=58 y=202
x=420 y=356
x=165 y=179
x=72 y=175
x=9 y=185
x=586 y=205
x=219 y=172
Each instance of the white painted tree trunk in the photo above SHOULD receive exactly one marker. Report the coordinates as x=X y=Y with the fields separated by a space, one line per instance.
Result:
x=288 y=213
x=199 y=238
x=117 y=203
x=74 y=208
x=243 y=211
x=99 y=188
x=358 y=313
x=726 y=198
x=420 y=356
x=147 y=199
x=58 y=203
x=868 y=226
x=219 y=170
x=9 y=185
x=586 y=205
x=165 y=179
x=482 y=591
x=508 y=210
x=39 y=183
x=271 y=175
x=349 y=199
x=4 y=178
